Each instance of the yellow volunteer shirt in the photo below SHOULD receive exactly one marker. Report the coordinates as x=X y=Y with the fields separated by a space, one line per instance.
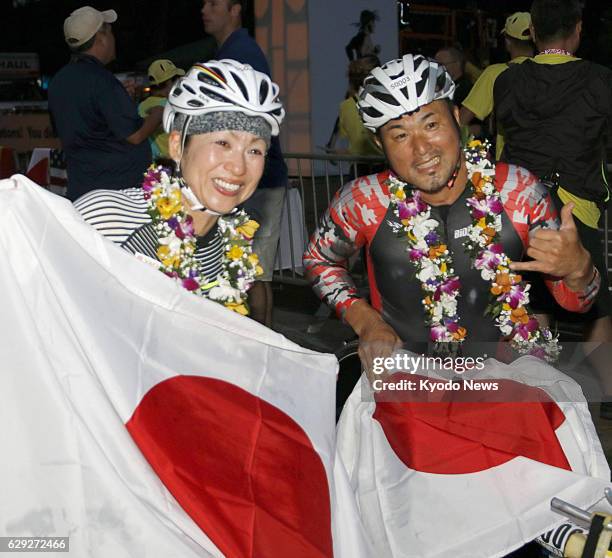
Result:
x=159 y=138
x=360 y=139
x=472 y=71
x=480 y=98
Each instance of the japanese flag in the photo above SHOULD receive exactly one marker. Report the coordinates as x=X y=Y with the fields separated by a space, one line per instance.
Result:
x=141 y=420
x=470 y=473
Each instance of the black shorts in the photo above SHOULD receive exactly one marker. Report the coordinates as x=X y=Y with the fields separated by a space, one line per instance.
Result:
x=542 y=302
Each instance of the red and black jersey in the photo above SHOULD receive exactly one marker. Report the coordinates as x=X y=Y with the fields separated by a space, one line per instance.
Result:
x=360 y=215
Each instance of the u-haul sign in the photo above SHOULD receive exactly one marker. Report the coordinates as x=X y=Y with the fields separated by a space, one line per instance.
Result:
x=19 y=65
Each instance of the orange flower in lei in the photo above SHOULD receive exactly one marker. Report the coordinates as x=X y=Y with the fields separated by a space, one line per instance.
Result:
x=433 y=262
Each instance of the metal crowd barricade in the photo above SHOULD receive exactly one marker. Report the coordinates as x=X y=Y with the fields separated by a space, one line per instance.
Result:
x=313 y=180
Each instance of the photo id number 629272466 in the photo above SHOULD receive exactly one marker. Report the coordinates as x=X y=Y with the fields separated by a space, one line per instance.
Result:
x=34 y=544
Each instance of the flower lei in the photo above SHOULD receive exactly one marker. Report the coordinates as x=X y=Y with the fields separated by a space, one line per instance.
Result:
x=177 y=244
x=433 y=262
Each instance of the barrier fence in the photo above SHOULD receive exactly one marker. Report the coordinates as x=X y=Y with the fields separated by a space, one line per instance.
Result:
x=313 y=180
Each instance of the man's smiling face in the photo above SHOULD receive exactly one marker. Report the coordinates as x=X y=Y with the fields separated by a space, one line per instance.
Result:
x=423 y=148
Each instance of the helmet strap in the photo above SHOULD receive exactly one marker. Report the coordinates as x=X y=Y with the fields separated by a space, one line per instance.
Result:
x=186 y=191
x=194 y=203
x=453 y=178
x=184 y=133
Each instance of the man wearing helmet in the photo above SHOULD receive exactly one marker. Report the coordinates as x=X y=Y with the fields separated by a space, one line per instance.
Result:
x=220 y=117
x=449 y=220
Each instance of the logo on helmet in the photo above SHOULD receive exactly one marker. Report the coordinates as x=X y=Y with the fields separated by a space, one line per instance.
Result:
x=401 y=82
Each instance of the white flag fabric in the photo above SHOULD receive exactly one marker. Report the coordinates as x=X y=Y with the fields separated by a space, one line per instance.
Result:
x=143 y=421
x=439 y=476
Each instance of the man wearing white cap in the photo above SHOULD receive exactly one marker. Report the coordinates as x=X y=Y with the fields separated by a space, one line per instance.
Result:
x=102 y=135
x=479 y=102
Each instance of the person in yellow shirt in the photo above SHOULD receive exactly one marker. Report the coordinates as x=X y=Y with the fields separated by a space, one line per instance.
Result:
x=555 y=110
x=360 y=140
x=520 y=47
x=162 y=75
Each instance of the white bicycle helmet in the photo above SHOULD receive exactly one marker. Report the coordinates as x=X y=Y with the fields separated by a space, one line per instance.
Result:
x=400 y=87
x=224 y=85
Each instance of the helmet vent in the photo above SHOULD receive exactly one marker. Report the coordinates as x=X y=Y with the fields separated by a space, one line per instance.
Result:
x=208 y=80
x=372 y=112
x=241 y=86
x=212 y=95
x=263 y=91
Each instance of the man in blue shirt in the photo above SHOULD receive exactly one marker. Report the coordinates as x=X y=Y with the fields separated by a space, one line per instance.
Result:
x=223 y=20
x=102 y=135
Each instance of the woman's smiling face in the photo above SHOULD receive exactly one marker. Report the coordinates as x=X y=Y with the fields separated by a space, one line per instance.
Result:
x=221 y=168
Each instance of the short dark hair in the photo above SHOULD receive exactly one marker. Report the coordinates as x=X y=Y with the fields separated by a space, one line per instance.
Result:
x=366 y=17
x=555 y=19
x=519 y=43
x=455 y=53
x=85 y=46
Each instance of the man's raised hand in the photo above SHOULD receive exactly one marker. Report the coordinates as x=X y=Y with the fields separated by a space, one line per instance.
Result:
x=559 y=253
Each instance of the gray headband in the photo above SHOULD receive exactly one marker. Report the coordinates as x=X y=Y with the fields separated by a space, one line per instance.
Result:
x=225 y=120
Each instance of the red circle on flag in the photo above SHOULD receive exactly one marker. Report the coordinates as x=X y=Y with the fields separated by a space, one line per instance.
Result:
x=466 y=432
x=242 y=469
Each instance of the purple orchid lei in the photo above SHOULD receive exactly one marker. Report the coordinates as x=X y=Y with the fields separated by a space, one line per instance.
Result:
x=433 y=263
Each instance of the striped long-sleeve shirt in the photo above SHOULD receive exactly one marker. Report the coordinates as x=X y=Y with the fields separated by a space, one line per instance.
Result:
x=121 y=216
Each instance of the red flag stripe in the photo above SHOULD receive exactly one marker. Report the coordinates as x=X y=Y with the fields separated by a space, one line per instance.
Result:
x=7 y=162
x=39 y=173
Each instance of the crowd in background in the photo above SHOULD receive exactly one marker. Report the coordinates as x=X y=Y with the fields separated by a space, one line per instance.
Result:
x=110 y=144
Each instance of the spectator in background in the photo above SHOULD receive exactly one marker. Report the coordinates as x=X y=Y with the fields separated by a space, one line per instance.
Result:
x=555 y=110
x=453 y=60
x=223 y=20
x=98 y=124
x=479 y=102
x=162 y=75
x=361 y=44
x=360 y=139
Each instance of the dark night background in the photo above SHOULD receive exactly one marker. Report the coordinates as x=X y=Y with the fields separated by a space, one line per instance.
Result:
x=146 y=28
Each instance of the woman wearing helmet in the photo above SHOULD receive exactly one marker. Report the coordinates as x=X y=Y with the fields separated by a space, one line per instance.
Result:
x=220 y=118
